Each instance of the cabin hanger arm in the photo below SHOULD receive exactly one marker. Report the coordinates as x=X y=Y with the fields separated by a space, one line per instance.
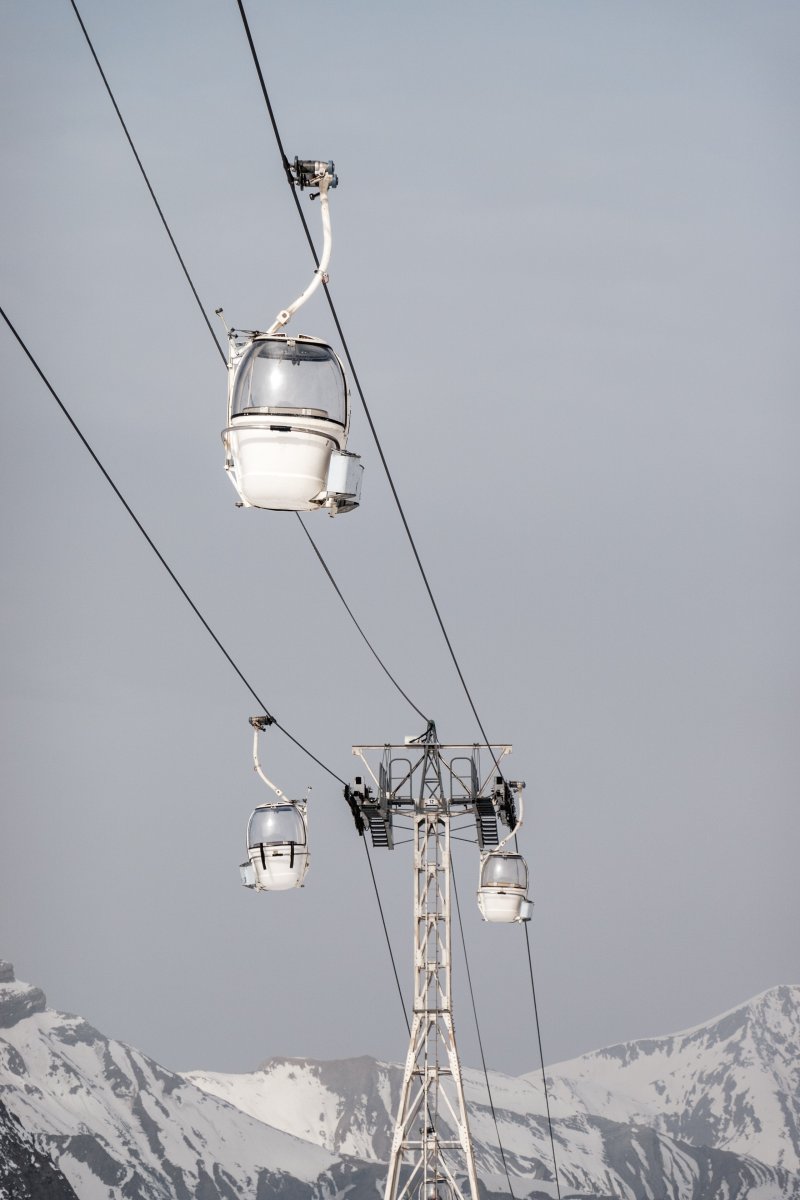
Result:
x=321 y=176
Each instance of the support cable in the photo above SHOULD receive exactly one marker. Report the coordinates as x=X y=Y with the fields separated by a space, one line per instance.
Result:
x=541 y=1059
x=386 y=935
x=305 y=530
x=98 y=463
x=478 y=1029
x=76 y=428
x=359 y=389
x=390 y=480
x=147 y=182
x=371 y=648
x=210 y=327
x=384 y=462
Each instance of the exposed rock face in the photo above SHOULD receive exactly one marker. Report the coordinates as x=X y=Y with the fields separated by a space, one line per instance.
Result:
x=6 y=972
x=114 y=1124
x=18 y=1000
x=26 y=1173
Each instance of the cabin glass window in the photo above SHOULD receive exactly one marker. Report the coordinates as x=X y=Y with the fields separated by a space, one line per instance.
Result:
x=504 y=870
x=276 y=825
x=293 y=377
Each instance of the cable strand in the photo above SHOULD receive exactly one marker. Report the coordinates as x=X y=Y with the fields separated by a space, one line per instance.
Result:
x=371 y=648
x=147 y=181
x=99 y=464
x=541 y=1059
x=388 y=939
x=356 y=380
x=395 y=495
x=201 y=306
x=478 y=1029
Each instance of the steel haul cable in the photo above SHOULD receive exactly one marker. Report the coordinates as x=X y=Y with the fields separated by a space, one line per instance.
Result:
x=318 y=553
x=373 y=430
x=215 y=340
x=98 y=463
x=356 y=380
x=541 y=1059
x=109 y=480
x=478 y=1029
x=305 y=530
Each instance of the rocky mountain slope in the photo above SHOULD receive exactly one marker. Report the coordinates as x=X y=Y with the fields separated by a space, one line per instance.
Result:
x=115 y=1124
x=708 y=1113
x=732 y=1083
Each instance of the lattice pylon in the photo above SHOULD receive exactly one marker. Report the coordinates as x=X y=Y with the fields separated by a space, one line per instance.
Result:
x=431 y=1134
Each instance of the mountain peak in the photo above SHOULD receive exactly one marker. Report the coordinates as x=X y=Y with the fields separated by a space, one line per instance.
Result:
x=732 y=1082
x=17 y=1000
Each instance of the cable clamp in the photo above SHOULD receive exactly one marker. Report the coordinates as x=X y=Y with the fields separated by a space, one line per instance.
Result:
x=261 y=722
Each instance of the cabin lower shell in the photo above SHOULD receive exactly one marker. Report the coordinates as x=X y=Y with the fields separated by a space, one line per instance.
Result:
x=502 y=907
x=278 y=871
x=278 y=468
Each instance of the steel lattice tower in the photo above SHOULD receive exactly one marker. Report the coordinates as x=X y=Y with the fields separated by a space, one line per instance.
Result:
x=429 y=784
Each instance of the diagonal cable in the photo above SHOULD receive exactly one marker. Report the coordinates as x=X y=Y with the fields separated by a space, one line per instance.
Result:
x=385 y=464
x=308 y=535
x=541 y=1059
x=76 y=428
x=359 y=389
x=98 y=463
x=221 y=352
x=372 y=649
x=147 y=181
x=478 y=1029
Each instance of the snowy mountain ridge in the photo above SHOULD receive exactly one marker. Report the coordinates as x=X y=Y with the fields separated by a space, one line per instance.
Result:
x=104 y=1122
x=732 y=1083
x=116 y=1124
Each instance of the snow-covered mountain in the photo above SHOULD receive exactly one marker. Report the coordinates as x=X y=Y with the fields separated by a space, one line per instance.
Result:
x=733 y=1083
x=114 y=1124
x=706 y=1114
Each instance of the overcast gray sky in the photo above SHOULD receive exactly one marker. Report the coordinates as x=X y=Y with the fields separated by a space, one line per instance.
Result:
x=566 y=261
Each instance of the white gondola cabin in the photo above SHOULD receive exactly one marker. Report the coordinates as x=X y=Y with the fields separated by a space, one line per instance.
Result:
x=277 y=848
x=288 y=420
x=503 y=886
x=288 y=403
x=277 y=835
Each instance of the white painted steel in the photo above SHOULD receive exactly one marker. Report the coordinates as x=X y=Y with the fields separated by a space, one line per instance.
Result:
x=321 y=273
x=431 y=1134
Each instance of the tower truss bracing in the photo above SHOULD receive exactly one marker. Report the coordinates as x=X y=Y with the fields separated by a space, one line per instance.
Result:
x=423 y=786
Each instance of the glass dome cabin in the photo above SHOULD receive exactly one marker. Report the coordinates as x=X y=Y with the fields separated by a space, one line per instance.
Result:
x=502 y=890
x=277 y=848
x=288 y=419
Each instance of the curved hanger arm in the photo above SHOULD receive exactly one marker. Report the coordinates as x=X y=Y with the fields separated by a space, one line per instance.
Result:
x=321 y=273
x=257 y=766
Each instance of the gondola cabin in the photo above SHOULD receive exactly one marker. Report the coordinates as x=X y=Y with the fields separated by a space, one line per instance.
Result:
x=277 y=848
x=502 y=889
x=288 y=420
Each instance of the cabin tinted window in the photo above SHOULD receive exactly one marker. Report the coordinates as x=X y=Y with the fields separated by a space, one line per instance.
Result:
x=504 y=870
x=276 y=826
x=284 y=374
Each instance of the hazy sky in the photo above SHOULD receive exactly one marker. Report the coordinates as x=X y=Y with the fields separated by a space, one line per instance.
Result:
x=566 y=262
